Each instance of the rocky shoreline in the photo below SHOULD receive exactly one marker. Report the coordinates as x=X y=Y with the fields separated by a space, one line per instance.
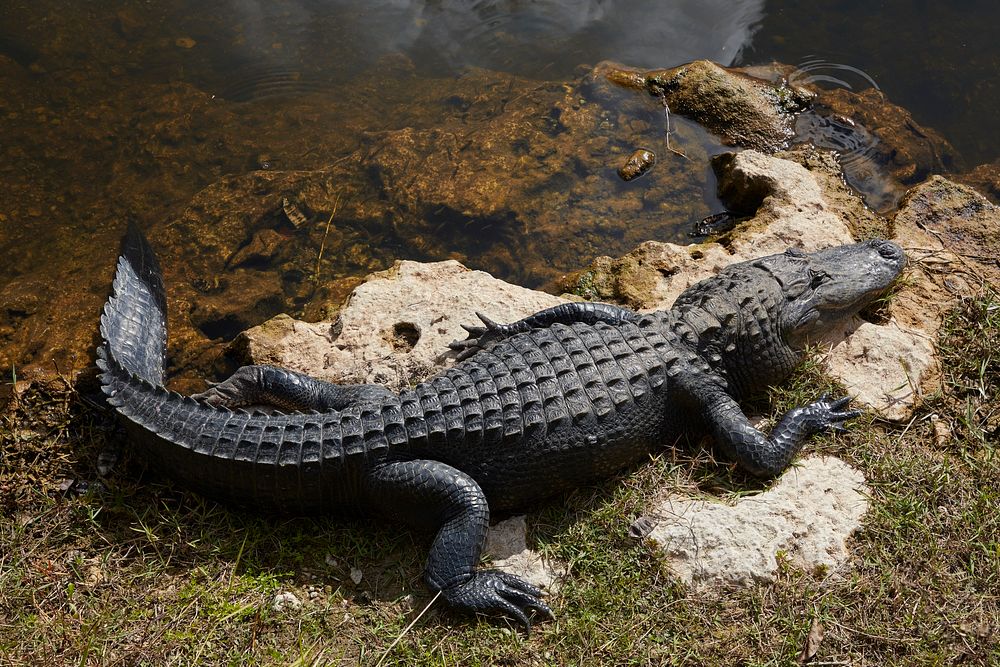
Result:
x=393 y=327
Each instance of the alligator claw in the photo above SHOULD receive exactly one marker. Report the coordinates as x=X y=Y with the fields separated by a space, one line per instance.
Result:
x=830 y=413
x=215 y=396
x=495 y=592
x=474 y=331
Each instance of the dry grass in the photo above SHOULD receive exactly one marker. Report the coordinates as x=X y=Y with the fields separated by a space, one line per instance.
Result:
x=142 y=572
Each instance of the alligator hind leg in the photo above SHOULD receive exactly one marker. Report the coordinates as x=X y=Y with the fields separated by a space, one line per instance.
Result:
x=586 y=312
x=289 y=391
x=434 y=496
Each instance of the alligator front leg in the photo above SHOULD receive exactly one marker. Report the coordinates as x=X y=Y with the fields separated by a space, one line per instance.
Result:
x=431 y=495
x=288 y=390
x=586 y=312
x=768 y=455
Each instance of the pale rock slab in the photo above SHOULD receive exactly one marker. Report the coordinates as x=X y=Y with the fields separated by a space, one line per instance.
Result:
x=808 y=516
x=285 y=601
x=883 y=367
x=507 y=547
x=395 y=327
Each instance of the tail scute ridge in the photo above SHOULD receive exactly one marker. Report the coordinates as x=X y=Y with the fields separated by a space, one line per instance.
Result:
x=134 y=322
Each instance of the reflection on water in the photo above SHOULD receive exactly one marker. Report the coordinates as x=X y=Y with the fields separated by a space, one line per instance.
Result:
x=856 y=147
x=552 y=38
x=291 y=47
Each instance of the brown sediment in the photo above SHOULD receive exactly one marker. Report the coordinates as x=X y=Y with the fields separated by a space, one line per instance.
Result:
x=513 y=176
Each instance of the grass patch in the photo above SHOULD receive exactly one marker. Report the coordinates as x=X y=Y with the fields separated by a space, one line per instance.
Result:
x=132 y=570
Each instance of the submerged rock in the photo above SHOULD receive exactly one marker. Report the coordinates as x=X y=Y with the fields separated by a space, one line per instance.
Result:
x=637 y=164
x=525 y=185
x=985 y=178
x=742 y=109
x=908 y=151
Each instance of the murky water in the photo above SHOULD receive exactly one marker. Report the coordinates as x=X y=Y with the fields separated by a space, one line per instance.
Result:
x=395 y=129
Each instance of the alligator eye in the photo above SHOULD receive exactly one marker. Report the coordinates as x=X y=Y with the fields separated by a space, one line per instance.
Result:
x=817 y=278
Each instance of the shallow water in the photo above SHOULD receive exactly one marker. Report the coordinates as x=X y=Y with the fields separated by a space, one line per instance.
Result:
x=200 y=123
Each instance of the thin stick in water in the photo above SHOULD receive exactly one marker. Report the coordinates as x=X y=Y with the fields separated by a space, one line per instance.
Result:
x=322 y=245
x=668 y=132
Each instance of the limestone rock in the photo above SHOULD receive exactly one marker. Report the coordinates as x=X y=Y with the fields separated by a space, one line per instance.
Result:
x=807 y=515
x=285 y=601
x=395 y=327
x=954 y=228
x=507 y=547
x=884 y=367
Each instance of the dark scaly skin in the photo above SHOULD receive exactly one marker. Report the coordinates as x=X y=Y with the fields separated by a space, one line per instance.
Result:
x=565 y=396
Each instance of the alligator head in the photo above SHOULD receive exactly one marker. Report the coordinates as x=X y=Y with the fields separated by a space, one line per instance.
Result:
x=825 y=287
x=753 y=322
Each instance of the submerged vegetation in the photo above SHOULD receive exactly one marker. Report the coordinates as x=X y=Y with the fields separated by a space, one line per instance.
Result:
x=131 y=570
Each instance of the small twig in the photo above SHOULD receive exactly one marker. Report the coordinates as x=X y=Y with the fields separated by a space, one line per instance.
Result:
x=341 y=159
x=668 y=132
x=407 y=629
x=905 y=430
x=322 y=245
x=891 y=640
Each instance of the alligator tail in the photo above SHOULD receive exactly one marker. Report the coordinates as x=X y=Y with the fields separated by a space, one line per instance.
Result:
x=298 y=462
x=134 y=322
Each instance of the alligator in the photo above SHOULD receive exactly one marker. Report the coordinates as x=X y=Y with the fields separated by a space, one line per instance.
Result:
x=530 y=409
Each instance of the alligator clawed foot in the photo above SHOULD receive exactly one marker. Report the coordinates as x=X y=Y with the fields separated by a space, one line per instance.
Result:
x=830 y=413
x=218 y=396
x=494 y=592
x=480 y=337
